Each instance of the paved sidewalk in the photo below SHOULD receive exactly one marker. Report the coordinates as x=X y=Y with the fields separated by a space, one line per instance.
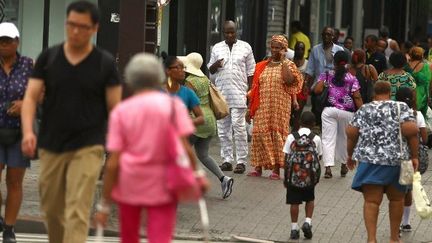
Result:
x=257 y=209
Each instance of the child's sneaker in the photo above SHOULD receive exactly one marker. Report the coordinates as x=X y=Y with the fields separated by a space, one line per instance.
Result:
x=295 y=234
x=406 y=228
x=307 y=230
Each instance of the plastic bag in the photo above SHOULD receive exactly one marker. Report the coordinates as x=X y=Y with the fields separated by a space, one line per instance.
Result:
x=421 y=200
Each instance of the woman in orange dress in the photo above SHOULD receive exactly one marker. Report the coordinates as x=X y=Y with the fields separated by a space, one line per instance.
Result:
x=275 y=85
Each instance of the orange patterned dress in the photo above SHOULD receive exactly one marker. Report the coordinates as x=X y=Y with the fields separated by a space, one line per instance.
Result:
x=272 y=119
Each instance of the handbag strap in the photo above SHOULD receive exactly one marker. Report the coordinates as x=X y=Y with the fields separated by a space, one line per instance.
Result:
x=400 y=128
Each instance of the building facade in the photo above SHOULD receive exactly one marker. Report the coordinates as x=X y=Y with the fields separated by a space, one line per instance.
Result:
x=184 y=26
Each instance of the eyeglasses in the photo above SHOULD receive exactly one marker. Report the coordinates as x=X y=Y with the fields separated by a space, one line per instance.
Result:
x=80 y=27
x=178 y=67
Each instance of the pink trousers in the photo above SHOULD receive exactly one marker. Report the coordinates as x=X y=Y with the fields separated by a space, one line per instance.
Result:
x=160 y=223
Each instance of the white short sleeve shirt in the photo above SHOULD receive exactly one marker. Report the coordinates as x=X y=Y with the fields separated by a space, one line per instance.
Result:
x=238 y=65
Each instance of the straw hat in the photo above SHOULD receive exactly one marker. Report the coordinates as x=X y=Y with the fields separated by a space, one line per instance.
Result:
x=193 y=62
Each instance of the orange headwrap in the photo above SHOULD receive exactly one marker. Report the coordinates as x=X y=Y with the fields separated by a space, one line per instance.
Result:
x=280 y=39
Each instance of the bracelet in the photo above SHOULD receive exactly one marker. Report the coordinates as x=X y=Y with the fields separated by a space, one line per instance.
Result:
x=103 y=208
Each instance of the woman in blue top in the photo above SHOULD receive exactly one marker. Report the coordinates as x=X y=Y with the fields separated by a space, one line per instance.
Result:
x=175 y=71
x=14 y=72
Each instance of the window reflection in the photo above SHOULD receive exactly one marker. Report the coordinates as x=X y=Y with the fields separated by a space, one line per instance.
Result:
x=9 y=11
x=216 y=24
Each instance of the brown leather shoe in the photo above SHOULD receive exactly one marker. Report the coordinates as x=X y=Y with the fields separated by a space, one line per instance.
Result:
x=239 y=169
x=226 y=166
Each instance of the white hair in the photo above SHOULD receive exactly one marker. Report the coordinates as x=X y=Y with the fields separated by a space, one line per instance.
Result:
x=144 y=70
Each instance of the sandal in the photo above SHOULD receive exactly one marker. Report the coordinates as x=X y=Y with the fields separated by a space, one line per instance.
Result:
x=328 y=173
x=255 y=173
x=344 y=170
x=274 y=176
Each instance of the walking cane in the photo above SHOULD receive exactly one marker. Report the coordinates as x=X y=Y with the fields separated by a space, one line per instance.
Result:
x=99 y=234
x=204 y=218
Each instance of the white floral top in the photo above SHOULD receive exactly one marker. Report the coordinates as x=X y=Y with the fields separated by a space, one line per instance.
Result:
x=379 y=126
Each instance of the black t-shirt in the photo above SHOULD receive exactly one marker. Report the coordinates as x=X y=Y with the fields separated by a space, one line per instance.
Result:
x=74 y=111
x=378 y=60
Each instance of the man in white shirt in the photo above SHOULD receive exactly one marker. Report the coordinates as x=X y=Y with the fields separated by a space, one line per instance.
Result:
x=232 y=64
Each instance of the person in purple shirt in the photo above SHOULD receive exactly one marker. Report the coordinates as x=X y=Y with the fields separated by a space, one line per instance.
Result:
x=343 y=99
x=14 y=72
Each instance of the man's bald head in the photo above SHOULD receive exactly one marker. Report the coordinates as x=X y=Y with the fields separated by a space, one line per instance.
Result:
x=230 y=32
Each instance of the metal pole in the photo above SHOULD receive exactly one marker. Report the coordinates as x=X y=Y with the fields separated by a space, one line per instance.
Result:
x=407 y=16
x=45 y=39
x=338 y=14
x=358 y=22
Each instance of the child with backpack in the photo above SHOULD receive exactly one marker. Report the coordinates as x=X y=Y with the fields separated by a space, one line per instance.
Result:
x=303 y=152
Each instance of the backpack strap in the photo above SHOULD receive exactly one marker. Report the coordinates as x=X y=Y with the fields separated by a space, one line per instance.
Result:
x=311 y=136
x=296 y=135
x=52 y=54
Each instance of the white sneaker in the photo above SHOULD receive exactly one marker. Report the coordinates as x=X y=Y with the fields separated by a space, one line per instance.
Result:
x=227 y=184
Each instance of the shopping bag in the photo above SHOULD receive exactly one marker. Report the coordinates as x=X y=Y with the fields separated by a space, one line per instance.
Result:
x=428 y=120
x=217 y=103
x=421 y=200
x=180 y=176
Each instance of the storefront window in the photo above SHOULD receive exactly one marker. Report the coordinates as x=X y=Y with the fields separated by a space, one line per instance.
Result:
x=215 y=21
x=9 y=11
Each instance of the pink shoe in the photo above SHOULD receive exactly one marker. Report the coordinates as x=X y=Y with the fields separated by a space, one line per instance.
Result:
x=274 y=176
x=254 y=173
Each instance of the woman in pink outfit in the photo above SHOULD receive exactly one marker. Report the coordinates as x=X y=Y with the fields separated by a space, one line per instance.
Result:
x=135 y=173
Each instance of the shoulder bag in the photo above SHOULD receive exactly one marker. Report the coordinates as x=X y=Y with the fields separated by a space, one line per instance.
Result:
x=9 y=136
x=217 y=103
x=321 y=101
x=180 y=177
x=406 y=167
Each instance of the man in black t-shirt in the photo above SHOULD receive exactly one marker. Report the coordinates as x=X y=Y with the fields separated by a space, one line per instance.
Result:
x=377 y=59
x=81 y=85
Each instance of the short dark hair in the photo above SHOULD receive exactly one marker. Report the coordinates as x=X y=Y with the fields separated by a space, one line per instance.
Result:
x=168 y=61
x=350 y=38
x=307 y=119
x=397 y=59
x=373 y=38
x=297 y=24
x=384 y=31
x=405 y=94
x=86 y=8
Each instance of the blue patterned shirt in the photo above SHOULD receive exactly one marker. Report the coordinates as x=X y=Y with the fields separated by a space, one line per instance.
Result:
x=12 y=87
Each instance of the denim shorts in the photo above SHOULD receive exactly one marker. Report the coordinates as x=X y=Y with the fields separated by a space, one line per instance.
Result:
x=12 y=156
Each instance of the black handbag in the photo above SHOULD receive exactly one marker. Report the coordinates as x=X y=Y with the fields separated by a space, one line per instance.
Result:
x=321 y=100
x=9 y=136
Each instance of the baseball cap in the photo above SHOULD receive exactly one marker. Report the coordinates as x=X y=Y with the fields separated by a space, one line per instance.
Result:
x=9 y=30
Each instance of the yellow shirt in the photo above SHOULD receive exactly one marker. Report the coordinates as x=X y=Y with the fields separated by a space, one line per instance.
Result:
x=299 y=36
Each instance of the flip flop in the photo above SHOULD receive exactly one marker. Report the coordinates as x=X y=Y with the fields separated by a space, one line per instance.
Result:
x=274 y=176
x=254 y=174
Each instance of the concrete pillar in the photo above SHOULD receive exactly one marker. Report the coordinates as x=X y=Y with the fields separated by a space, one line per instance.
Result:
x=314 y=22
x=287 y=17
x=358 y=23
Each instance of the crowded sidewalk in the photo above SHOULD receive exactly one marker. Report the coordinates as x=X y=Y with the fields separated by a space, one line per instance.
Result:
x=257 y=209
